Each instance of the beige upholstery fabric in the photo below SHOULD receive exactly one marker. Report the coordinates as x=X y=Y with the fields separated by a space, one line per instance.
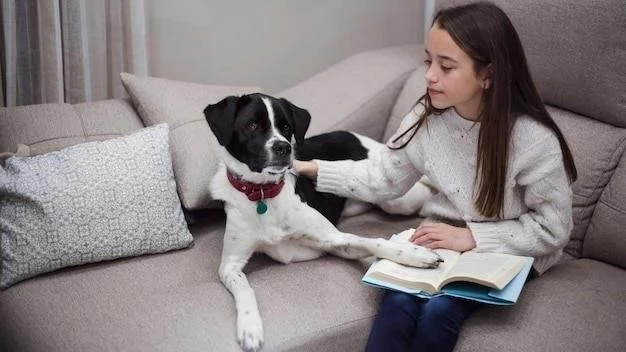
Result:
x=349 y=95
x=175 y=301
x=606 y=236
x=181 y=105
x=597 y=148
x=413 y=89
x=179 y=304
x=575 y=306
x=105 y=119
x=590 y=53
x=50 y=127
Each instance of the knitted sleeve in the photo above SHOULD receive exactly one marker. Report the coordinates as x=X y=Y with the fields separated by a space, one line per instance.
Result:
x=385 y=174
x=545 y=228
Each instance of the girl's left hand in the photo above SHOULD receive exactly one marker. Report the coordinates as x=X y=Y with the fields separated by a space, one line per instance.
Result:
x=435 y=235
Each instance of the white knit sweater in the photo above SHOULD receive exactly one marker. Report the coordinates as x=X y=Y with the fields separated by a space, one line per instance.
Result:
x=537 y=211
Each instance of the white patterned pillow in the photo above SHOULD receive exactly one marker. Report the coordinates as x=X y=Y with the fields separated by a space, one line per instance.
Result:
x=87 y=203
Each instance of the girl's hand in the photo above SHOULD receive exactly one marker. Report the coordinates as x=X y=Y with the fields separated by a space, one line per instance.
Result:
x=438 y=235
x=306 y=168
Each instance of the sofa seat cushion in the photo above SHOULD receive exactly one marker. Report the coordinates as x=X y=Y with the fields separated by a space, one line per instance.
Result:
x=578 y=305
x=175 y=301
x=179 y=304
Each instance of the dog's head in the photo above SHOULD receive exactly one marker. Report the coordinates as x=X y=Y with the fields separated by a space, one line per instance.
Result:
x=258 y=133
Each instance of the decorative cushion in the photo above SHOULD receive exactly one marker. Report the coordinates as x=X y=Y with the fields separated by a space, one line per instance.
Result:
x=181 y=105
x=87 y=203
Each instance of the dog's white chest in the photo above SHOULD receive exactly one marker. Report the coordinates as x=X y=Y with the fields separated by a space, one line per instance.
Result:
x=281 y=216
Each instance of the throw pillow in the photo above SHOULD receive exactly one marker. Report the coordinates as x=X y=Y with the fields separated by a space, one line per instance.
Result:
x=87 y=203
x=181 y=105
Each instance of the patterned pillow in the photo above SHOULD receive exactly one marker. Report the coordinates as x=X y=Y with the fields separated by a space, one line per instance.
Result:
x=87 y=203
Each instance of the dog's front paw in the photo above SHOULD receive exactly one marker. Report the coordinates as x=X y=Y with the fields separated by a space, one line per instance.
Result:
x=250 y=331
x=424 y=257
x=417 y=256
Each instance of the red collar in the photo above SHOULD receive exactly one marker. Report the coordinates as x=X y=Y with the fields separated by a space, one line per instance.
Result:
x=254 y=191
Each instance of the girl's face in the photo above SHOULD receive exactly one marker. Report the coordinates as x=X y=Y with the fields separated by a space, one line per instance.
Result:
x=450 y=76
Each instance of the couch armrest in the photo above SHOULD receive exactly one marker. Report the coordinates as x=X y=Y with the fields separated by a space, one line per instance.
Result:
x=358 y=93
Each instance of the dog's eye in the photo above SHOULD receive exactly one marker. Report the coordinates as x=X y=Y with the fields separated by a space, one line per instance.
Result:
x=286 y=128
x=252 y=126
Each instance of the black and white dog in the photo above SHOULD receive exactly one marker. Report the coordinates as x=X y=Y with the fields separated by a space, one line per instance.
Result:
x=273 y=211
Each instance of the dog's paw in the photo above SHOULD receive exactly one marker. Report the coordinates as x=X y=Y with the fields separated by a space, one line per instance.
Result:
x=250 y=331
x=414 y=255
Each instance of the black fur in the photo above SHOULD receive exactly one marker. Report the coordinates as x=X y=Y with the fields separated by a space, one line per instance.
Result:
x=232 y=120
x=242 y=126
x=338 y=145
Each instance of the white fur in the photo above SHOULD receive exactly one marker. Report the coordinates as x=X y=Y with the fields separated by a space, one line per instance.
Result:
x=276 y=135
x=289 y=231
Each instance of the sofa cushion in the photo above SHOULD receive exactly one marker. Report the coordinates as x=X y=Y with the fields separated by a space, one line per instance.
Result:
x=175 y=301
x=582 y=71
x=87 y=203
x=577 y=305
x=181 y=105
x=413 y=89
x=597 y=148
x=606 y=236
x=350 y=95
x=48 y=127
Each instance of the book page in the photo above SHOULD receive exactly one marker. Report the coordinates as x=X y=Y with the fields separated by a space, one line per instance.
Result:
x=415 y=278
x=490 y=269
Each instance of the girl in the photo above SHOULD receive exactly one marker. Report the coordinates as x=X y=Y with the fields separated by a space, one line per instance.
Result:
x=485 y=140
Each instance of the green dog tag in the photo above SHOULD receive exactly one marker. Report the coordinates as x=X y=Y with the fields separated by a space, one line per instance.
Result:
x=261 y=207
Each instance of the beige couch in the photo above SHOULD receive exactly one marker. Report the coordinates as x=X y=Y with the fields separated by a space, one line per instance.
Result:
x=175 y=302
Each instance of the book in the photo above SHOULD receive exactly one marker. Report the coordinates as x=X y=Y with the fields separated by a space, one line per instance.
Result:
x=492 y=278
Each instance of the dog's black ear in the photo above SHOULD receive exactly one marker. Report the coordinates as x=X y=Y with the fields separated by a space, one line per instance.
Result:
x=221 y=118
x=301 y=120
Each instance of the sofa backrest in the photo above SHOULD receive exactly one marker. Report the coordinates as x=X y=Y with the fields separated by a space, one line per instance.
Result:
x=48 y=127
x=576 y=52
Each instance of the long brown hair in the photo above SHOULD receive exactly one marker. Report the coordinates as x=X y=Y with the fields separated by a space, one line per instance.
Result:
x=485 y=33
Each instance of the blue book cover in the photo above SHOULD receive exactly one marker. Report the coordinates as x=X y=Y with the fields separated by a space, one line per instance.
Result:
x=508 y=295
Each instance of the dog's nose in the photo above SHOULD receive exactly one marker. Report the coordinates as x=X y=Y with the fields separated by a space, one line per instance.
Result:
x=281 y=148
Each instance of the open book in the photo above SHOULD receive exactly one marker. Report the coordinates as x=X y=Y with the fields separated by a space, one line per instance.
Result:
x=487 y=277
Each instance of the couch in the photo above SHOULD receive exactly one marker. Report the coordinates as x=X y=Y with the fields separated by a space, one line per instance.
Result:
x=174 y=301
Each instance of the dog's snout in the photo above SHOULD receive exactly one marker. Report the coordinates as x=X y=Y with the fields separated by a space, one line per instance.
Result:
x=281 y=148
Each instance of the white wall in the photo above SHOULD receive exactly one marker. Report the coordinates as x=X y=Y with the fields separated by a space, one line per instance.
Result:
x=271 y=43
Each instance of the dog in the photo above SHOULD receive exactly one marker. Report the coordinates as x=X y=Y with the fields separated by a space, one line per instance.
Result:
x=269 y=209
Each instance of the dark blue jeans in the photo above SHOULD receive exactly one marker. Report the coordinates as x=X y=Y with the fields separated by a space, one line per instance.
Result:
x=408 y=323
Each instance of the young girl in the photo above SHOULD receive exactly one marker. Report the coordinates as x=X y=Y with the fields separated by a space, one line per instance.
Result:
x=485 y=140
